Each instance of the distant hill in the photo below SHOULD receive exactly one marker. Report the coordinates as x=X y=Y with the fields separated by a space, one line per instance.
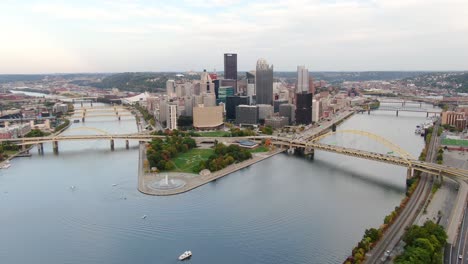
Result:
x=338 y=77
x=5 y=78
x=456 y=81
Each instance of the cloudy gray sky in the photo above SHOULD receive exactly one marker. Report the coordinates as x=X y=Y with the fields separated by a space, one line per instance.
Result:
x=147 y=35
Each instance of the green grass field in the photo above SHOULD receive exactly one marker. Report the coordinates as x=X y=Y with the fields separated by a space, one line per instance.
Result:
x=455 y=142
x=187 y=161
x=259 y=149
x=218 y=133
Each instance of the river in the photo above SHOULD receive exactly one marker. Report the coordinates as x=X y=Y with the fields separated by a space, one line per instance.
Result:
x=286 y=209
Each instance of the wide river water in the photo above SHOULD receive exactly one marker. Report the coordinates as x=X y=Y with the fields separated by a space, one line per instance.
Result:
x=83 y=206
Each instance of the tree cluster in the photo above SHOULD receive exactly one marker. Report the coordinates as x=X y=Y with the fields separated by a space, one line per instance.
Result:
x=36 y=133
x=159 y=152
x=267 y=130
x=223 y=157
x=237 y=132
x=423 y=244
x=371 y=236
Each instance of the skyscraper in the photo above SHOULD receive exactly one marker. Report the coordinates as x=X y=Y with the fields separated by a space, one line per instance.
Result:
x=264 y=82
x=304 y=108
x=302 y=79
x=230 y=66
x=206 y=84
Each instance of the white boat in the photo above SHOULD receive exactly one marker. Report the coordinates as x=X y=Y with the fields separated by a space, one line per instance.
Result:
x=144 y=217
x=185 y=255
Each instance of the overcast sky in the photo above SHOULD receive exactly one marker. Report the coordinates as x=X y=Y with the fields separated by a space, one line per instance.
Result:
x=149 y=35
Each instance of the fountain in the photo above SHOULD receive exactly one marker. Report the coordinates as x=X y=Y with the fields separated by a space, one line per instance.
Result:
x=166 y=184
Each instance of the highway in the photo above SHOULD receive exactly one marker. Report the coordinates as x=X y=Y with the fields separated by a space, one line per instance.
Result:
x=461 y=247
x=406 y=218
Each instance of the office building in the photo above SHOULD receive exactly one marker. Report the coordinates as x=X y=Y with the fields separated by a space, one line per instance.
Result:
x=247 y=114
x=289 y=111
x=171 y=115
x=209 y=99
x=188 y=103
x=264 y=111
x=277 y=121
x=171 y=88
x=207 y=117
x=302 y=79
x=316 y=110
x=264 y=82
x=230 y=66
x=277 y=103
x=250 y=84
x=232 y=102
x=206 y=84
x=304 y=108
x=223 y=93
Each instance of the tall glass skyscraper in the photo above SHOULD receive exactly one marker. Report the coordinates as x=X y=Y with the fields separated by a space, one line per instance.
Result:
x=230 y=66
x=264 y=82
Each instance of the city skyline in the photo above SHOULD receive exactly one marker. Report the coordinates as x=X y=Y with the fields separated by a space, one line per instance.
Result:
x=121 y=36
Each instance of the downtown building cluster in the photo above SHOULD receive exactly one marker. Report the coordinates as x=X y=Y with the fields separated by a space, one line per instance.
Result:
x=252 y=98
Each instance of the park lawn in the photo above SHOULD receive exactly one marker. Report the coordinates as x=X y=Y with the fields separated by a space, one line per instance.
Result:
x=455 y=142
x=218 y=133
x=259 y=149
x=186 y=162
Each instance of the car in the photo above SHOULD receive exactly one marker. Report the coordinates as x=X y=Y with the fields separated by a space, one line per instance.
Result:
x=460 y=256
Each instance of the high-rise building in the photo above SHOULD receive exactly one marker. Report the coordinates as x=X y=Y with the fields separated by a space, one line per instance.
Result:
x=171 y=116
x=232 y=102
x=247 y=114
x=304 y=108
x=230 y=66
x=264 y=111
x=223 y=93
x=289 y=111
x=171 y=88
x=188 y=103
x=264 y=82
x=250 y=84
x=277 y=103
x=206 y=84
x=302 y=79
x=316 y=106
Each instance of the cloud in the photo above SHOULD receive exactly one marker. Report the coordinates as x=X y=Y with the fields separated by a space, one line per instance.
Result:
x=325 y=35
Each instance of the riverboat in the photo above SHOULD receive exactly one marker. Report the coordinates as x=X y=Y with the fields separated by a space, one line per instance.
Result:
x=185 y=255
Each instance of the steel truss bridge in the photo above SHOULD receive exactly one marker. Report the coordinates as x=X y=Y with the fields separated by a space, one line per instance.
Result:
x=307 y=147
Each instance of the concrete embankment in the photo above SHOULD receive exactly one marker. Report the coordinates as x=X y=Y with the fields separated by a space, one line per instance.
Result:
x=146 y=181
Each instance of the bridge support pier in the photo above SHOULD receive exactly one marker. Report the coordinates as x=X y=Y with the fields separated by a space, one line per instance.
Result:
x=119 y=118
x=40 y=148
x=368 y=112
x=91 y=103
x=291 y=150
x=427 y=114
x=83 y=119
x=127 y=144
x=409 y=173
x=55 y=147
x=396 y=112
x=81 y=103
x=112 y=144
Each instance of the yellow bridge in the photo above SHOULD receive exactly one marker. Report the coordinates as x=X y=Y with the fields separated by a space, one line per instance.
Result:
x=307 y=147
